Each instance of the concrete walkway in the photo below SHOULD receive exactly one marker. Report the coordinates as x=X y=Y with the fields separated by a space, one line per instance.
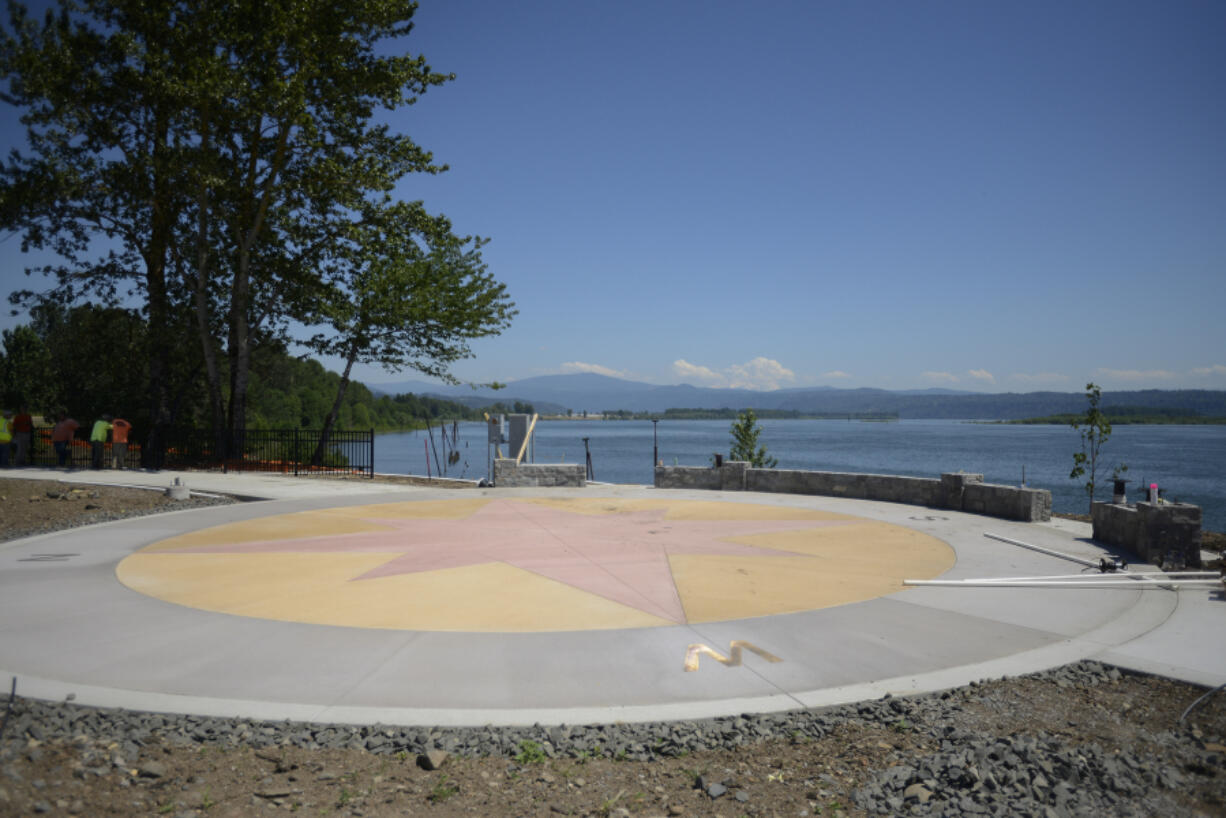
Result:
x=186 y=636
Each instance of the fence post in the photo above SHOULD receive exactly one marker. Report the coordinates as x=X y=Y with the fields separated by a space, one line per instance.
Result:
x=295 y=451
x=372 y=453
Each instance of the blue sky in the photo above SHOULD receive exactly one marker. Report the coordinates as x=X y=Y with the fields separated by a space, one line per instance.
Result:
x=987 y=196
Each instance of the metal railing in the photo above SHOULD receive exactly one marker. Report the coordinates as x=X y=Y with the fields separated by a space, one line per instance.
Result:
x=287 y=451
x=79 y=454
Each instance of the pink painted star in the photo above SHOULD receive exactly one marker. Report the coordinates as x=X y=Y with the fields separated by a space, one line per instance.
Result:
x=621 y=556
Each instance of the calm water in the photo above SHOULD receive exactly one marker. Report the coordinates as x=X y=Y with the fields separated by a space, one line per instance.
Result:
x=1186 y=461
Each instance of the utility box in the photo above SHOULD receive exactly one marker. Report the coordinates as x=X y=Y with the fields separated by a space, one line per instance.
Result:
x=496 y=437
x=517 y=433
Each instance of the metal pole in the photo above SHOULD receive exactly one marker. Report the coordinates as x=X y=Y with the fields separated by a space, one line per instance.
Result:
x=1041 y=550
x=588 y=453
x=655 y=443
x=1144 y=584
x=372 y=453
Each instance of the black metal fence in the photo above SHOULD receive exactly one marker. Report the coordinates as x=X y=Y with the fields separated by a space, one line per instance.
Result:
x=288 y=451
x=78 y=453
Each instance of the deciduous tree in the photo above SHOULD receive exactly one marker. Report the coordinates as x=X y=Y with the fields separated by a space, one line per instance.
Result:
x=406 y=293
x=202 y=157
x=745 y=447
x=1095 y=429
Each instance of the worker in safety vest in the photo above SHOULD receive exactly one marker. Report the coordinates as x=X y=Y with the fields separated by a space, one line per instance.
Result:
x=61 y=438
x=120 y=429
x=97 y=441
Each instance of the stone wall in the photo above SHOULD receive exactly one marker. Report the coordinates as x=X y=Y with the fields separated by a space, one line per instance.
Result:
x=1009 y=502
x=509 y=474
x=959 y=491
x=1160 y=533
x=912 y=490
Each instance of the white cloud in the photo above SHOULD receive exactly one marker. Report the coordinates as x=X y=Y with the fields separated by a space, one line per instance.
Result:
x=1137 y=374
x=685 y=369
x=1216 y=369
x=835 y=374
x=982 y=375
x=1040 y=377
x=943 y=377
x=760 y=373
x=572 y=367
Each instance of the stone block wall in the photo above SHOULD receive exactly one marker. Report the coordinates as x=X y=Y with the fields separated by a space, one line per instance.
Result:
x=1009 y=502
x=959 y=492
x=913 y=490
x=509 y=474
x=688 y=477
x=1159 y=533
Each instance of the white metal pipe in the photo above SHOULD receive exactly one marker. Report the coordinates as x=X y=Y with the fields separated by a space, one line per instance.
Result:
x=941 y=583
x=1042 y=550
x=1101 y=577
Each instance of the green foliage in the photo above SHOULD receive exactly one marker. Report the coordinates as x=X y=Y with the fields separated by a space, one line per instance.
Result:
x=1095 y=429
x=88 y=360
x=405 y=292
x=518 y=407
x=745 y=433
x=1129 y=415
x=530 y=753
x=442 y=791
x=221 y=165
x=26 y=371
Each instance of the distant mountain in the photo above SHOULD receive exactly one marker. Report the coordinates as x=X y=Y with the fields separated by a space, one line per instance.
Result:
x=464 y=395
x=596 y=393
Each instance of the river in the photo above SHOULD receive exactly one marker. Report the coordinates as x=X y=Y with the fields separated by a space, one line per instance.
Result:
x=1185 y=461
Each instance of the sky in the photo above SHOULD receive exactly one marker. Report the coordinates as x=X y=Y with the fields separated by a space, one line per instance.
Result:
x=973 y=195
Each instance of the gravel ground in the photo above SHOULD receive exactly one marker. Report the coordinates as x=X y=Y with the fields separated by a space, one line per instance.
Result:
x=31 y=507
x=1085 y=739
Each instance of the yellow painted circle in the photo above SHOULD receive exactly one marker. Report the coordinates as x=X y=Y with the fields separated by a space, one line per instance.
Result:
x=507 y=565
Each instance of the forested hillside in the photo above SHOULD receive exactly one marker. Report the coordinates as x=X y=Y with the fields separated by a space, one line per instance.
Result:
x=89 y=360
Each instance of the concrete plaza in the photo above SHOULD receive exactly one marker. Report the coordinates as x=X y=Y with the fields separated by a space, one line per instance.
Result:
x=365 y=602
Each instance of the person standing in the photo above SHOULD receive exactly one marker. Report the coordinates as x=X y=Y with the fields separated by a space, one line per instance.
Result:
x=6 y=437
x=97 y=441
x=23 y=435
x=119 y=441
x=61 y=438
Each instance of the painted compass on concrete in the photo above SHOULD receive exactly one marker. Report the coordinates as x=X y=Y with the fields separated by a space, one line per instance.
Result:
x=534 y=564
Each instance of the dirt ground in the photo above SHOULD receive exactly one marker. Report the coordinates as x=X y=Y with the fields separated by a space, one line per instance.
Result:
x=777 y=777
x=30 y=507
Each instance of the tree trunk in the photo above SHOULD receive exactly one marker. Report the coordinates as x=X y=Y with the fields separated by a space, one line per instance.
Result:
x=240 y=292
x=155 y=258
x=240 y=360
x=318 y=457
x=217 y=412
x=200 y=304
